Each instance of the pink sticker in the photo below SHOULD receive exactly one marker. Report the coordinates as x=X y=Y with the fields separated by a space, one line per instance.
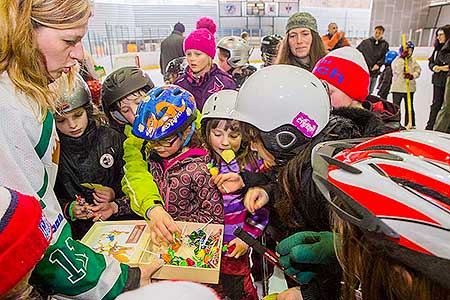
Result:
x=305 y=124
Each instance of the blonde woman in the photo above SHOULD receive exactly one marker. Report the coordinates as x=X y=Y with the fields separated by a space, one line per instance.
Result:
x=39 y=41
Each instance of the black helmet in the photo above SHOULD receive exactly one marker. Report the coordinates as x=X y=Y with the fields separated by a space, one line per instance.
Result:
x=123 y=82
x=175 y=66
x=269 y=46
x=75 y=97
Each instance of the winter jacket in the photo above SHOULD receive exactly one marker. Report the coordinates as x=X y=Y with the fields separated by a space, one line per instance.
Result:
x=187 y=187
x=374 y=53
x=29 y=149
x=171 y=48
x=235 y=213
x=398 y=80
x=95 y=157
x=387 y=111
x=335 y=41
x=440 y=57
x=212 y=82
x=384 y=85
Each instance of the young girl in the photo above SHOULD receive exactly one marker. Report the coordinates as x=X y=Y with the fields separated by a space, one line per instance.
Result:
x=234 y=53
x=90 y=153
x=178 y=163
x=223 y=134
x=202 y=77
x=399 y=76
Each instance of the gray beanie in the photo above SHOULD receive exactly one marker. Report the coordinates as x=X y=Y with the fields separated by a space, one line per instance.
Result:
x=301 y=20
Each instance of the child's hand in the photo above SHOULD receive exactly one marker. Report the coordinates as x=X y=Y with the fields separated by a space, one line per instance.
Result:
x=162 y=226
x=240 y=248
x=255 y=198
x=104 y=195
x=79 y=211
x=147 y=270
x=229 y=183
x=103 y=210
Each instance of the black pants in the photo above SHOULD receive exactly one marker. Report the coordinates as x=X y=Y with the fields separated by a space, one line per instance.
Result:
x=438 y=99
x=398 y=97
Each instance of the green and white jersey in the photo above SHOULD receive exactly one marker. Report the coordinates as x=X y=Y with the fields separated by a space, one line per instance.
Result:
x=29 y=153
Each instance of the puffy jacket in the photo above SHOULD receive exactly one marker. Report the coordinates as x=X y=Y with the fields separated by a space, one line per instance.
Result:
x=95 y=157
x=398 y=80
x=374 y=53
x=187 y=187
x=171 y=48
x=335 y=41
x=212 y=82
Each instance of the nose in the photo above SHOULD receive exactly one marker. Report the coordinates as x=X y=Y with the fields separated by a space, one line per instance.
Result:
x=77 y=52
x=225 y=141
x=71 y=123
x=299 y=39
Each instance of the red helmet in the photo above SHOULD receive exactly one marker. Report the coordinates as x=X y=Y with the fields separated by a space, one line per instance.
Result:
x=396 y=189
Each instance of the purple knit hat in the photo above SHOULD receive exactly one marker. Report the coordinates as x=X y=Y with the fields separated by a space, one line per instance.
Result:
x=202 y=40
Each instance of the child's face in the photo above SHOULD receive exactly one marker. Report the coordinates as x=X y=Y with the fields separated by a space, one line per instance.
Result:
x=168 y=146
x=198 y=61
x=72 y=124
x=223 y=61
x=338 y=98
x=223 y=137
x=258 y=146
x=128 y=106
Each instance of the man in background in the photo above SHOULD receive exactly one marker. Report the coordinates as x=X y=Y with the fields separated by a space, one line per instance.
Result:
x=334 y=39
x=172 y=46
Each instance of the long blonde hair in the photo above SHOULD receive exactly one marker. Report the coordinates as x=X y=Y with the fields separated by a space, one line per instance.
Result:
x=19 y=55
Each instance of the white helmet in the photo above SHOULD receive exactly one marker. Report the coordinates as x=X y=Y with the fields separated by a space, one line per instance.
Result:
x=289 y=105
x=219 y=105
x=238 y=49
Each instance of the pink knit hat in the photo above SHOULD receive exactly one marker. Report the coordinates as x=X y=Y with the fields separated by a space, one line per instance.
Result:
x=202 y=39
x=346 y=69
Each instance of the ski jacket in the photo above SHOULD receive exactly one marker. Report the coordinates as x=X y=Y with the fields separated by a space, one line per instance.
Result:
x=335 y=41
x=374 y=53
x=398 y=80
x=29 y=164
x=94 y=157
x=187 y=187
x=212 y=82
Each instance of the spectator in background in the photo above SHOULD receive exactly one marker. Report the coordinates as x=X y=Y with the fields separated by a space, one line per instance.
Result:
x=334 y=39
x=374 y=51
x=245 y=35
x=172 y=46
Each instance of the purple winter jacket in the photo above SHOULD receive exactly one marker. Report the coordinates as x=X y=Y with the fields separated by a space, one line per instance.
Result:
x=208 y=84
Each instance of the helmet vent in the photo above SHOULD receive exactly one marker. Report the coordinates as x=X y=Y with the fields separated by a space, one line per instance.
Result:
x=388 y=156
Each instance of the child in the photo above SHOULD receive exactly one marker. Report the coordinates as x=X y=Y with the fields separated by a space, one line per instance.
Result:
x=174 y=68
x=90 y=153
x=166 y=118
x=269 y=48
x=346 y=76
x=202 y=77
x=223 y=134
x=18 y=256
x=386 y=76
x=399 y=76
x=389 y=253
x=234 y=53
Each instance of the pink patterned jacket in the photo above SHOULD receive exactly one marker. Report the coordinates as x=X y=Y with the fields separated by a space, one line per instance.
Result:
x=186 y=186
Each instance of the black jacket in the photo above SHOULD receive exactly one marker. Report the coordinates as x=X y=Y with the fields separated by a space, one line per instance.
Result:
x=440 y=57
x=95 y=157
x=385 y=82
x=171 y=47
x=374 y=53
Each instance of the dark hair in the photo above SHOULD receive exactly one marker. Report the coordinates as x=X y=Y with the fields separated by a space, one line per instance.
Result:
x=446 y=30
x=379 y=27
x=244 y=156
x=317 y=51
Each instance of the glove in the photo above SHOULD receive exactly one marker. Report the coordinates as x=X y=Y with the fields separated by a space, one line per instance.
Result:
x=305 y=253
x=408 y=76
x=404 y=54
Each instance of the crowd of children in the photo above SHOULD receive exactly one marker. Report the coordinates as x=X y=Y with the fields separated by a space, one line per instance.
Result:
x=359 y=209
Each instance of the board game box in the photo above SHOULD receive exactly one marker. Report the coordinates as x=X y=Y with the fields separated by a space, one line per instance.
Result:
x=195 y=255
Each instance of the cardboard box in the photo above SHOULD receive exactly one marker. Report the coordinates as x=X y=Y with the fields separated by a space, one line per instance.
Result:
x=130 y=242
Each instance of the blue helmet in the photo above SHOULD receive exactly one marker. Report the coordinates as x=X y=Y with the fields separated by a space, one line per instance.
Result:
x=409 y=44
x=390 y=56
x=165 y=111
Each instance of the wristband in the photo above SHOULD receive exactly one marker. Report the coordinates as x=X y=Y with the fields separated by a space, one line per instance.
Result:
x=72 y=218
x=147 y=213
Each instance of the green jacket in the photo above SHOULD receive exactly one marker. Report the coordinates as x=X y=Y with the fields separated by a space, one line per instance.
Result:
x=138 y=183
